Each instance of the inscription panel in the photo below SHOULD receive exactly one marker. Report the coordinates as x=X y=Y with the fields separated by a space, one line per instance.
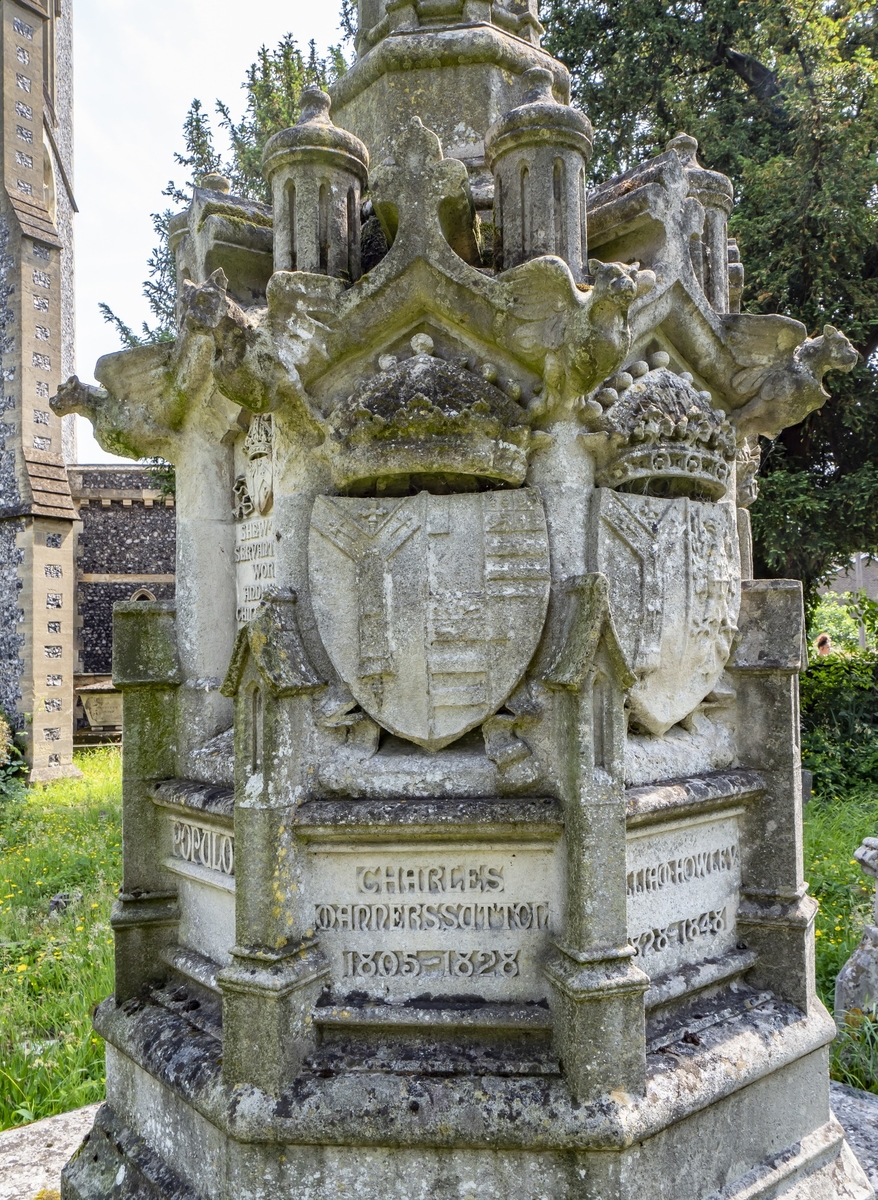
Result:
x=202 y=857
x=683 y=887
x=204 y=846
x=398 y=922
x=254 y=564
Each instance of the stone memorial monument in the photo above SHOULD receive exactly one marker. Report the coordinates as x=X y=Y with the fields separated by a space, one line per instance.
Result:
x=462 y=791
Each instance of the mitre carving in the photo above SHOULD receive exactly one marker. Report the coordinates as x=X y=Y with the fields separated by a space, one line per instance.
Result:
x=425 y=420
x=656 y=434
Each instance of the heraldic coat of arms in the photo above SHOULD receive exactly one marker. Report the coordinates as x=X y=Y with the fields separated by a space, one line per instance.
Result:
x=431 y=607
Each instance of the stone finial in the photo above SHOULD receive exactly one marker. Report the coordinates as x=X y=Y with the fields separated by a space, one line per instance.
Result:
x=214 y=182
x=423 y=200
x=539 y=86
x=315 y=106
x=317 y=173
x=712 y=188
x=714 y=191
x=686 y=148
x=538 y=153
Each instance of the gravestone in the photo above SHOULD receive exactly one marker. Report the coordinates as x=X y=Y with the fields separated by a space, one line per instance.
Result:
x=856 y=986
x=462 y=786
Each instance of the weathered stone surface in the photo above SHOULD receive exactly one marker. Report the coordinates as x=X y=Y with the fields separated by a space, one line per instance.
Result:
x=856 y=986
x=431 y=607
x=463 y=790
x=675 y=588
x=32 y=1156
x=858 y=1113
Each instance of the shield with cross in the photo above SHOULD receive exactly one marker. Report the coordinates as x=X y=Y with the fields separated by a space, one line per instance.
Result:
x=430 y=607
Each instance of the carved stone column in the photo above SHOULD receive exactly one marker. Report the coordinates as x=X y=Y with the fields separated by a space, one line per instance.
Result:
x=317 y=173
x=539 y=153
x=277 y=968
x=599 y=992
x=146 y=672
x=777 y=915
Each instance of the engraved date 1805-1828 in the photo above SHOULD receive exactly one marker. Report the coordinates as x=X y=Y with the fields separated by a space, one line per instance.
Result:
x=444 y=964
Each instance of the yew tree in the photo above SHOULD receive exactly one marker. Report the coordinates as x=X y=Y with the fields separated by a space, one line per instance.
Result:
x=783 y=97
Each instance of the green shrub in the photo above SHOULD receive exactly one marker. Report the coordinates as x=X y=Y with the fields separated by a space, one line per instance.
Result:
x=839 y=695
x=11 y=760
x=834 y=828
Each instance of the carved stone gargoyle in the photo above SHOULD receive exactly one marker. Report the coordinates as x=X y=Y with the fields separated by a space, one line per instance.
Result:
x=783 y=394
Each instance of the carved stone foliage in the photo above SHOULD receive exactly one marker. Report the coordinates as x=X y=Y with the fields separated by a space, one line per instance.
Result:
x=674 y=572
x=430 y=607
x=746 y=471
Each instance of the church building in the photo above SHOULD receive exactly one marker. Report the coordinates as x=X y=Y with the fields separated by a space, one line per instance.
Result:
x=37 y=514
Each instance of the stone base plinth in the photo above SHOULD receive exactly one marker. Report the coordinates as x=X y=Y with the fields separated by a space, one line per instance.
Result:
x=53 y=774
x=743 y=1114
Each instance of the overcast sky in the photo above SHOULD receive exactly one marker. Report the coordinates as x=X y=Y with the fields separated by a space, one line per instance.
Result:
x=137 y=68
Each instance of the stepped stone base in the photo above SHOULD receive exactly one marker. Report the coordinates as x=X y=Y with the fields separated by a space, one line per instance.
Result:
x=750 y=1091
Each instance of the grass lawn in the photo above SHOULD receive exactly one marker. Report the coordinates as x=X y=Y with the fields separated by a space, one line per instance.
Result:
x=55 y=968
x=834 y=828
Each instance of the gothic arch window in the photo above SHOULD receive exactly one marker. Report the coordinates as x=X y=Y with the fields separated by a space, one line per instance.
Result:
x=143 y=594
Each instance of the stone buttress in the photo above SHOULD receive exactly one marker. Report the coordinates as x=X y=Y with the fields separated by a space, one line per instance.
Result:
x=462 y=784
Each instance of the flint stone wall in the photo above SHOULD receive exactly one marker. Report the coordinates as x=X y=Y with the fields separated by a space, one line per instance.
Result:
x=127 y=541
x=11 y=616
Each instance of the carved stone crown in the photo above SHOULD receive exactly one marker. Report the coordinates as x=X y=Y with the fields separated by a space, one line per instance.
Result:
x=259 y=437
x=661 y=436
x=426 y=420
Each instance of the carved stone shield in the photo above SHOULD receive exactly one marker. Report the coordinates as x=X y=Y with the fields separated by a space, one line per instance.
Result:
x=259 y=473
x=430 y=607
x=675 y=583
x=259 y=483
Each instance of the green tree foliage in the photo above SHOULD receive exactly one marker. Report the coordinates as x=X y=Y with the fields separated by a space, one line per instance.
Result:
x=783 y=97
x=273 y=85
